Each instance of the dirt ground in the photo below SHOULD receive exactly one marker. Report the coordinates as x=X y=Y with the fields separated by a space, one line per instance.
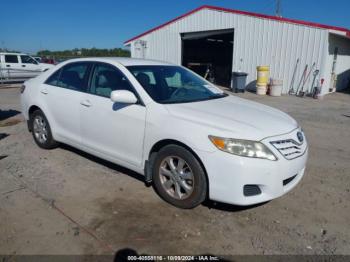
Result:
x=64 y=201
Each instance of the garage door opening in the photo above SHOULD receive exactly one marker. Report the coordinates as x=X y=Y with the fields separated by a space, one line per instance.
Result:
x=209 y=54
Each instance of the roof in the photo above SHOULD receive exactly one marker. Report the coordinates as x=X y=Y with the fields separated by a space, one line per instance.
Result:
x=125 y=61
x=11 y=53
x=275 y=18
x=135 y=61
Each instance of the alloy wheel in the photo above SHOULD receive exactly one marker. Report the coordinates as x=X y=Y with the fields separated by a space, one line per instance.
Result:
x=40 y=129
x=176 y=177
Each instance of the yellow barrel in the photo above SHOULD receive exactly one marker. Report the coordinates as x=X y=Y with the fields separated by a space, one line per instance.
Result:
x=263 y=75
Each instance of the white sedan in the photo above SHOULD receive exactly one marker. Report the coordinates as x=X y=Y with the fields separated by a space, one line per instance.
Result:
x=186 y=136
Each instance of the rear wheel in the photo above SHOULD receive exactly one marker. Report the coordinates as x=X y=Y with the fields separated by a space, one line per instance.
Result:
x=179 y=177
x=41 y=130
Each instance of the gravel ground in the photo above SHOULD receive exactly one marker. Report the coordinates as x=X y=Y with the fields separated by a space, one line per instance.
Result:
x=64 y=201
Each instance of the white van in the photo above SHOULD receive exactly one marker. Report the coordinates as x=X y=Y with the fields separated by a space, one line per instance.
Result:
x=19 y=65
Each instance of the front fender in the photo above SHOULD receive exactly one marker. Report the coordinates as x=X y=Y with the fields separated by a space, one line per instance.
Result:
x=162 y=126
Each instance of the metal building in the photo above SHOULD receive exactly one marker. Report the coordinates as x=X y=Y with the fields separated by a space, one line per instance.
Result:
x=230 y=40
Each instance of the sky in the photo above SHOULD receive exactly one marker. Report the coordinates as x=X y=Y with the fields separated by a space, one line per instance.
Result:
x=29 y=26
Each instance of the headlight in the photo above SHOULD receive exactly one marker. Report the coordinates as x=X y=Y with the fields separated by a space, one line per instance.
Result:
x=245 y=148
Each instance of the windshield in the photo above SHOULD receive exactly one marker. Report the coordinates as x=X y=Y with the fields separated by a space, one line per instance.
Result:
x=174 y=84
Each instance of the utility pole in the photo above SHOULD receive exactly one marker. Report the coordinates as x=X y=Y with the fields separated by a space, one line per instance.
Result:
x=278 y=8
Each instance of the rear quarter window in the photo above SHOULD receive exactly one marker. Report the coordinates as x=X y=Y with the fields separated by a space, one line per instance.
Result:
x=53 y=79
x=11 y=59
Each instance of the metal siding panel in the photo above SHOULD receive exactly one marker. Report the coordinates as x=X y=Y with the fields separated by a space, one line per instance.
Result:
x=279 y=51
x=302 y=62
x=322 y=52
x=312 y=58
x=248 y=44
x=273 y=47
x=257 y=41
x=290 y=59
x=267 y=37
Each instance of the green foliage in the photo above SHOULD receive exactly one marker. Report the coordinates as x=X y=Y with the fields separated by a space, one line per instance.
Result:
x=85 y=52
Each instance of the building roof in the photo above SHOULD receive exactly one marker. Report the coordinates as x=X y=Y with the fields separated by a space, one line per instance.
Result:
x=275 y=18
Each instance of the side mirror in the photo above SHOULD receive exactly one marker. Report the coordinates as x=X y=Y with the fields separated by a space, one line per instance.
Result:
x=123 y=96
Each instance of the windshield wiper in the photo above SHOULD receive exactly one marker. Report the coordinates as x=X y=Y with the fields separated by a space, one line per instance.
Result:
x=216 y=96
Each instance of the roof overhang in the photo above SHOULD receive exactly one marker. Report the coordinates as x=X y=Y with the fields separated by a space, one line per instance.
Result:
x=341 y=34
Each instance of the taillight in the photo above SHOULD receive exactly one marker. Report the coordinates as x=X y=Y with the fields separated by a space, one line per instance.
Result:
x=23 y=87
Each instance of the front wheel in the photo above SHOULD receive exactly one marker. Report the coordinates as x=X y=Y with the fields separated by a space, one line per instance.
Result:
x=179 y=178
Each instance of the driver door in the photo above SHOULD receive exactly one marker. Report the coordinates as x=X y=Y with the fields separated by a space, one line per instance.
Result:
x=11 y=67
x=30 y=67
x=115 y=130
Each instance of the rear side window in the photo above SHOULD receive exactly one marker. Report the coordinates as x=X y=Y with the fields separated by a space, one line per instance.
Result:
x=26 y=59
x=74 y=76
x=53 y=79
x=11 y=59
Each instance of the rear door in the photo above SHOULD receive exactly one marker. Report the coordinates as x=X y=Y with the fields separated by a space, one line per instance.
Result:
x=63 y=93
x=11 y=67
x=115 y=130
x=30 y=67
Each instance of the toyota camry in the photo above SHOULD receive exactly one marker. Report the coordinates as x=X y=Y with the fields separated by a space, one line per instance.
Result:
x=186 y=136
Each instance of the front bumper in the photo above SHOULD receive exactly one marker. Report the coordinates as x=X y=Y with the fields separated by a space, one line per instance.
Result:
x=229 y=174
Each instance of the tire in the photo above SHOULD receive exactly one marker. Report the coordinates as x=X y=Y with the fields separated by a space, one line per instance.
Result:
x=178 y=177
x=41 y=130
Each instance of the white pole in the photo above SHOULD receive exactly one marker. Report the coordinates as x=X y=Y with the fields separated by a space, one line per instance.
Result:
x=278 y=8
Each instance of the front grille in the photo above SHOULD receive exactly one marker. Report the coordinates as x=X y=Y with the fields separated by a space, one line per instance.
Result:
x=288 y=180
x=289 y=148
x=251 y=190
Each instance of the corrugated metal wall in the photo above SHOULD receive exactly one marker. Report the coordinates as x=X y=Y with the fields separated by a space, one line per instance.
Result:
x=257 y=41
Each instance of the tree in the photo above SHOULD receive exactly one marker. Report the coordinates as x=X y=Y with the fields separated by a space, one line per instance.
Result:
x=85 y=52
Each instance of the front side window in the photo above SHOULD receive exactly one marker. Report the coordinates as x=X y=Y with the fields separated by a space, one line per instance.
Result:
x=26 y=59
x=174 y=84
x=74 y=76
x=11 y=58
x=106 y=79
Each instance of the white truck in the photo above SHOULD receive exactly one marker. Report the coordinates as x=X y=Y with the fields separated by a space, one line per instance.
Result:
x=20 y=66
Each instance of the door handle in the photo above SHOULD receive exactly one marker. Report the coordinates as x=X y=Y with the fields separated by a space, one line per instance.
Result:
x=23 y=65
x=86 y=103
x=44 y=91
x=8 y=65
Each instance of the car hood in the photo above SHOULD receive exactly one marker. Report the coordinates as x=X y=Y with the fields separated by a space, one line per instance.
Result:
x=235 y=116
